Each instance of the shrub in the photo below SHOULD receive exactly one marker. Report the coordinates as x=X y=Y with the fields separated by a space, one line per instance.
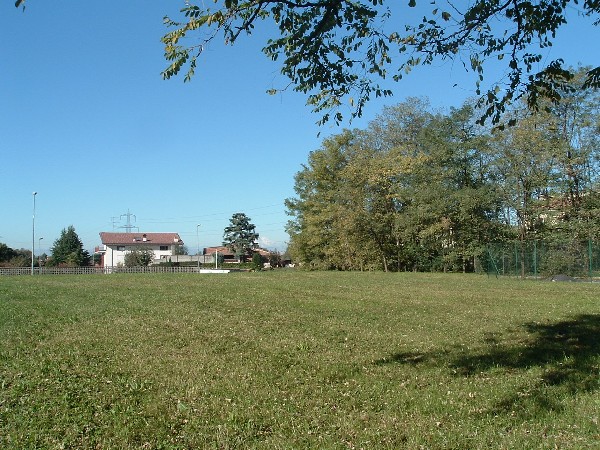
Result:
x=257 y=261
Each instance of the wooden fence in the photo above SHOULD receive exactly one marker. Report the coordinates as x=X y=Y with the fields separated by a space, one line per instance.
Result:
x=12 y=271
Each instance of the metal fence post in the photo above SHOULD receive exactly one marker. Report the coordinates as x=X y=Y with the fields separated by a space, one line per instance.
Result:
x=590 y=266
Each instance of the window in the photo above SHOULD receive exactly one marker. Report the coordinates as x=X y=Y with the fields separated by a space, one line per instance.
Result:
x=120 y=248
x=164 y=247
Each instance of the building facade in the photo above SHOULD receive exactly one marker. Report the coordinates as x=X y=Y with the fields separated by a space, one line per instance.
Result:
x=116 y=245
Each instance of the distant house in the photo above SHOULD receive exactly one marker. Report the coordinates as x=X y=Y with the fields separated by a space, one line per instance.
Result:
x=116 y=245
x=229 y=256
x=223 y=252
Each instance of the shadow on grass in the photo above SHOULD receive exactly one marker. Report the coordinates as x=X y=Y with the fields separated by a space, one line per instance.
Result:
x=567 y=349
x=568 y=353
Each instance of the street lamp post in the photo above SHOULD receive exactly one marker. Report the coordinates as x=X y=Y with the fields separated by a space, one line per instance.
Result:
x=40 y=255
x=33 y=233
x=198 y=242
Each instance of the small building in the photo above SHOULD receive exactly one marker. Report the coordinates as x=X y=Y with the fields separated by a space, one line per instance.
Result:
x=228 y=256
x=116 y=245
x=224 y=253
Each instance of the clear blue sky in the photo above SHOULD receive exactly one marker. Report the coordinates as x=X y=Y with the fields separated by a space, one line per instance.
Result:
x=87 y=121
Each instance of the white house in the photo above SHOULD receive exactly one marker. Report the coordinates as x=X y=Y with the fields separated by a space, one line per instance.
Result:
x=116 y=245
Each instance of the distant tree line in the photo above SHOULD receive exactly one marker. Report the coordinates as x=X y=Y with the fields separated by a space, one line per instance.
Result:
x=421 y=190
x=67 y=251
x=10 y=257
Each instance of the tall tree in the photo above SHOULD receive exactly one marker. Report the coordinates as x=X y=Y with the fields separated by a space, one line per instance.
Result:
x=570 y=207
x=240 y=236
x=320 y=210
x=527 y=168
x=336 y=51
x=68 y=250
x=576 y=132
x=412 y=192
x=465 y=198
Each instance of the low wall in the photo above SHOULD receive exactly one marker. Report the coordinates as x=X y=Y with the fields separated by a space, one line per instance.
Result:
x=204 y=259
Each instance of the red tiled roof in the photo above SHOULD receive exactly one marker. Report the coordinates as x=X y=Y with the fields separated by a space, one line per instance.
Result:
x=138 y=238
x=227 y=251
x=220 y=249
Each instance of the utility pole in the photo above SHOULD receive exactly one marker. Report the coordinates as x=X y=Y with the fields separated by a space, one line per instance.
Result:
x=33 y=233
x=198 y=242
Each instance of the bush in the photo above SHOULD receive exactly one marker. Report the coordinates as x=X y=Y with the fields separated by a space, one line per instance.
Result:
x=257 y=261
x=139 y=257
x=568 y=257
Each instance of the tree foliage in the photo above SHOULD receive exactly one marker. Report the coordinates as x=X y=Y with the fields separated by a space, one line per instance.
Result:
x=6 y=253
x=419 y=190
x=15 y=257
x=240 y=236
x=181 y=250
x=274 y=259
x=139 y=257
x=257 y=261
x=337 y=51
x=68 y=250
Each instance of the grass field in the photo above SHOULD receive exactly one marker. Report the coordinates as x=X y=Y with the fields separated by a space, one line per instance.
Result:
x=289 y=359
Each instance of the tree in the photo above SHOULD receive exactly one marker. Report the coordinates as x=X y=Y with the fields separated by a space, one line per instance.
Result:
x=22 y=258
x=336 y=51
x=6 y=253
x=274 y=259
x=68 y=250
x=412 y=192
x=257 y=261
x=456 y=184
x=14 y=258
x=181 y=250
x=318 y=234
x=549 y=166
x=139 y=256
x=240 y=236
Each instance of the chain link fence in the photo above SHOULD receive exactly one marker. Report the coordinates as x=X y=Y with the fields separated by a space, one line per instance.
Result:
x=544 y=259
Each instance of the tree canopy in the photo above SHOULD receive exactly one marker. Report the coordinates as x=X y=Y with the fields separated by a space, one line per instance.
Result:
x=420 y=190
x=6 y=253
x=68 y=250
x=338 y=51
x=139 y=257
x=240 y=236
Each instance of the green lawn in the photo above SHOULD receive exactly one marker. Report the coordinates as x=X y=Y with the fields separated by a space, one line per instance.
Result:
x=289 y=359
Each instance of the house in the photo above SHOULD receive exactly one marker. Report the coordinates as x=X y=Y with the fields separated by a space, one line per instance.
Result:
x=225 y=253
x=229 y=256
x=116 y=245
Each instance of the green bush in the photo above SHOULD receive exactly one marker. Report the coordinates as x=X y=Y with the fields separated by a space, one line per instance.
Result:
x=567 y=257
x=257 y=261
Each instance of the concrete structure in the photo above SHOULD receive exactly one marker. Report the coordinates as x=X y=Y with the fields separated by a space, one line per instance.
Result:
x=116 y=245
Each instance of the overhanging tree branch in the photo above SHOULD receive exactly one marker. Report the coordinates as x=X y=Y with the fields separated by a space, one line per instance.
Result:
x=334 y=51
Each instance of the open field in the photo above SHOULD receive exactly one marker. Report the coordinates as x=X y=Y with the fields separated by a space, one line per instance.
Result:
x=290 y=359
